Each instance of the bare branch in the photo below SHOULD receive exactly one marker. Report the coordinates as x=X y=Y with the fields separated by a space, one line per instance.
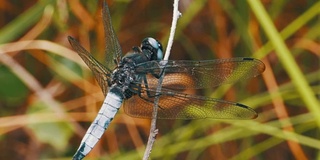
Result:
x=153 y=131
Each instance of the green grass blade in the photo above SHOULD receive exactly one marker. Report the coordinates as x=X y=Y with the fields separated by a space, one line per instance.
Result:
x=22 y=23
x=287 y=59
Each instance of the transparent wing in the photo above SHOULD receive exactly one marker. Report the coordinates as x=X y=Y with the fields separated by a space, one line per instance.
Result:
x=201 y=74
x=101 y=73
x=113 y=49
x=174 y=105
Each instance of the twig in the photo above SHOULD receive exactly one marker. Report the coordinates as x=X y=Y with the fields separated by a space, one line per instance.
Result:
x=176 y=15
x=153 y=130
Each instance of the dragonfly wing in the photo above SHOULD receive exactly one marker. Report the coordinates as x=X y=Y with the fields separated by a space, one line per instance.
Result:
x=201 y=74
x=113 y=49
x=101 y=73
x=173 y=105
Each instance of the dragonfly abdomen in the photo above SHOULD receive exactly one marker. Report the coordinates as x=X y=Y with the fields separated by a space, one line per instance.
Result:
x=106 y=114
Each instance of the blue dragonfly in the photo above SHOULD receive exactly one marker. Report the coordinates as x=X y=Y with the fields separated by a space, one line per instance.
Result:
x=131 y=80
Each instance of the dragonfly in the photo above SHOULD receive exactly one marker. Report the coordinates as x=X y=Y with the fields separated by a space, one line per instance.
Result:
x=131 y=81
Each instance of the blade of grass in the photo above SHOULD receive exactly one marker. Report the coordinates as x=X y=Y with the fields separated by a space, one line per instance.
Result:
x=233 y=133
x=286 y=59
x=292 y=28
x=257 y=149
x=22 y=23
x=179 y=140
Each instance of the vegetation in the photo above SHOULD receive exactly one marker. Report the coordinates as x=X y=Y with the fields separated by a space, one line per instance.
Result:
x=48 y=97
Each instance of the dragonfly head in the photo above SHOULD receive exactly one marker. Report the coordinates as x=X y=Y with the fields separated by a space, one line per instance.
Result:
x=153 y=47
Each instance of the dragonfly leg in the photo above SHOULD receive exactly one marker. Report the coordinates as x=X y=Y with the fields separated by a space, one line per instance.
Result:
x=161 y=68
x=147 y=88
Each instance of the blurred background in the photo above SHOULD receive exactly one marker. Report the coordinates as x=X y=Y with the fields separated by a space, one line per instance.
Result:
x=48 y=97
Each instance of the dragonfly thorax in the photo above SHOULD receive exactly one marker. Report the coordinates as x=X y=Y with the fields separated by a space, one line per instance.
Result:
x=123 y=77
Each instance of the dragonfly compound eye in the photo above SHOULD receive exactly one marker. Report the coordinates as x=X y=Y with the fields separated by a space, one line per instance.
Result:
x=154 y=46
